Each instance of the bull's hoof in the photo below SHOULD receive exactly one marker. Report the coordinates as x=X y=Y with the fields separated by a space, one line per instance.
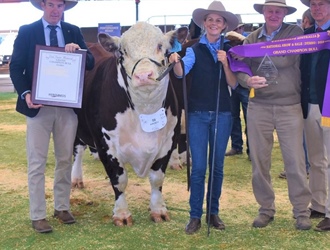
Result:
x=78 y=184
x=176 y=167
x=122 y=222
x=157 y=218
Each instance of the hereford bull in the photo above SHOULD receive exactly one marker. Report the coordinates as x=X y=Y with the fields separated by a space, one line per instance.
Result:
x=130 y=114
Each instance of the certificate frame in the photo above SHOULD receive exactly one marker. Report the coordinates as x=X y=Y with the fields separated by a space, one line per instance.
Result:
x=58 y=77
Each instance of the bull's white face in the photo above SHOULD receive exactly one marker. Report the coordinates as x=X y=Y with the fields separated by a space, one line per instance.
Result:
x=142 y=49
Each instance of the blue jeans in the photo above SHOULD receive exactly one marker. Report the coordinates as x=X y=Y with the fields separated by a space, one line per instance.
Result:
x=201 y=134
x=239 y=95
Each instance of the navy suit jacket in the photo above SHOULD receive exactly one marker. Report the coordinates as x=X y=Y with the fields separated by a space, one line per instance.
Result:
x=321 y=72
x=22 y=61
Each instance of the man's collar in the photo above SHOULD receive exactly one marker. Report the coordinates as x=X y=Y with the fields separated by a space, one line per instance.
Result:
x=264 y=33
x=324 y=26
x=45 y=23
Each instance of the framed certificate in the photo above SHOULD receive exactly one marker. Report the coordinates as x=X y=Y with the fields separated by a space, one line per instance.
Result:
x=58 y=77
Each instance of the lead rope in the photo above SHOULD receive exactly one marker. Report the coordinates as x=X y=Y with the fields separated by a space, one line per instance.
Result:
x=214 y=141
x=169 y=68
x=185 y=106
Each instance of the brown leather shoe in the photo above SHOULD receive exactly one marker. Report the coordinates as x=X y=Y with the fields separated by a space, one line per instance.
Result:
x=215 y=222
x=193 y=226
x=262 y=220
x=303 y=223
x=233 y=152
x=41 y=226
x=64 y=216
x=323 y=226
x=316 y=214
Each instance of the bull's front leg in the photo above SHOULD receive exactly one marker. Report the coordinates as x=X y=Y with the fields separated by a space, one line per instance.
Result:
x=158 y=210
x=121 y=214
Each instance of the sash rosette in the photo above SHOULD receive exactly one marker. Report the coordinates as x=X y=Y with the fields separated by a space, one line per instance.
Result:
x=290 y=46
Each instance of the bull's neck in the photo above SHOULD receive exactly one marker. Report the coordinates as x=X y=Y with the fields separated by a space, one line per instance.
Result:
x=149 y=102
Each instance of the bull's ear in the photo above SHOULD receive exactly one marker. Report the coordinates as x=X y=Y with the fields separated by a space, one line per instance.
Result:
x=109 y=43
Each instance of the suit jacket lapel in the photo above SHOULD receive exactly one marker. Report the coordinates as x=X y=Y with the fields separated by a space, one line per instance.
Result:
x=66 y=33
x=40 y=36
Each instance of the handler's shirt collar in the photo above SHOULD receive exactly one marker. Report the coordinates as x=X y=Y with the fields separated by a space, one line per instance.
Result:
x=324 y=26
x=60 y=37
x=213 y=47
x=264 y=33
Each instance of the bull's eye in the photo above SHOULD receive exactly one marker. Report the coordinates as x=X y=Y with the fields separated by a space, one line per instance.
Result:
x=160 y=46
x=125 y=52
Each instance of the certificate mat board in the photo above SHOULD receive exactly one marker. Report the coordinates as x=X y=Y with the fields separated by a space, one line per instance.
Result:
x=58 y=77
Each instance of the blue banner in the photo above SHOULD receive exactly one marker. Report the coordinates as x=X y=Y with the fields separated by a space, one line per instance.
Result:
x=112 y=29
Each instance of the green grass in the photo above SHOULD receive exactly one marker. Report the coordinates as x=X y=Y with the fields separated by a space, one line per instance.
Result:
x=93 y=206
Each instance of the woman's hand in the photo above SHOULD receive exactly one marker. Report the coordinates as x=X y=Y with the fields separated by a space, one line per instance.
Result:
x=222 y=57
x=174 y=57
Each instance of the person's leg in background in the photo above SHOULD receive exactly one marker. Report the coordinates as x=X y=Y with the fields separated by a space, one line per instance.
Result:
x=236 y=131
x=244 y=98
x=306 y=155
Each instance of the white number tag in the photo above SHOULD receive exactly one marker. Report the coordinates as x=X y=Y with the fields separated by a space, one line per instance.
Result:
x=153 y=122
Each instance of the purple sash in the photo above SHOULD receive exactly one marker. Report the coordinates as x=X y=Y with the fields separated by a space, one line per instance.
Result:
x=290 y=46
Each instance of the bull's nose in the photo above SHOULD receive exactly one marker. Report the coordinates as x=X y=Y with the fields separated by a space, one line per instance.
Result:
x=143 y=76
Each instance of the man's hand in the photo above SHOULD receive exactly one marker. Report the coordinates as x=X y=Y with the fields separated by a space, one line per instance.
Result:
x=257 y=82
x=71 y=47
x=29 y=102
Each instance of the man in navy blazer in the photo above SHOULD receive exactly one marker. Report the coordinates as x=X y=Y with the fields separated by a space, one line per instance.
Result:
x=46 y=121
x=314 y=72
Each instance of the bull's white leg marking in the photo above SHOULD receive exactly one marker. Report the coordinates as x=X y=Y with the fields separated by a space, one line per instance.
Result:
x=158 y=210
x=121 y=214
x=175 y=161
x=77 y=168
x=95 y=155
x=183 y=158
x=122 y=181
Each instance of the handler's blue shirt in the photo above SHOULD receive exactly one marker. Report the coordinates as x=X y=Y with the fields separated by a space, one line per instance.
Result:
x=189 y=58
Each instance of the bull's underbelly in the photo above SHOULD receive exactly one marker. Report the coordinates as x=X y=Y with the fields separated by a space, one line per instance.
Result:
x=130 y=144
